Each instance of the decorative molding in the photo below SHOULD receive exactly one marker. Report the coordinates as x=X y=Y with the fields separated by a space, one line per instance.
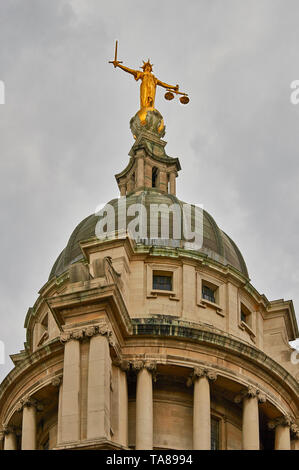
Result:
x=199 y=372
x=122 y=364
x=251 y=392
x=64 y=337
x=244 y=327
x=56 y=381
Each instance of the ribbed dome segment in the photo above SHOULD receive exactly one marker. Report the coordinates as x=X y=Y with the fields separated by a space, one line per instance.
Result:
x=216 y=244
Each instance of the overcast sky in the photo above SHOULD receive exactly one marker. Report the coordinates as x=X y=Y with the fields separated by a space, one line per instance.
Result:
x=64 y=130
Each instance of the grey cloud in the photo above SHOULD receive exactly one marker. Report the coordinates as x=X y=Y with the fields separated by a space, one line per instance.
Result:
x=64 y=129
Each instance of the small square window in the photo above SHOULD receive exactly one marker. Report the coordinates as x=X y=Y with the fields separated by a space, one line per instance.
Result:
x=208 y=293
x=245 y=315
x=162 y=282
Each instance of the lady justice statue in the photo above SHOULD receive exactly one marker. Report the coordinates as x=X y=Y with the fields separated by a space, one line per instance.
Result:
x=148 y=87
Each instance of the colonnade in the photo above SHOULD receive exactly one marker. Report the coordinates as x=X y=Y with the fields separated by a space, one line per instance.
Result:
x=99 y=402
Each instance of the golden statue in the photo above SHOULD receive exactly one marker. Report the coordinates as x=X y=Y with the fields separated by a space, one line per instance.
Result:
x=148 y=86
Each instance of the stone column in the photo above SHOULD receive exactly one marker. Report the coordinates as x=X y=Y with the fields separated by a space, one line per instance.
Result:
x=147 y=175
x=163 y=181
x=70 y=400
x=57 y=382
x=99 y=383
x=28 y=406
x=1 y=439
x=140 y=168
x=123 y=189
x=10 y=438
x=201 y=407
x=282 y=428
x=282 y=437
x=295 y=436
x=123 y=404
x=250 y=420
x=144 y=405
x=172 y=183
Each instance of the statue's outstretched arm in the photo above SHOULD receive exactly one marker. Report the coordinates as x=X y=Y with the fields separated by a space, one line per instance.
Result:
x=165 y=85
x=126 y=69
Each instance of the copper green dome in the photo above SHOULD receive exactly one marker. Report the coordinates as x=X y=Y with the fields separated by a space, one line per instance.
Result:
x=216 y=244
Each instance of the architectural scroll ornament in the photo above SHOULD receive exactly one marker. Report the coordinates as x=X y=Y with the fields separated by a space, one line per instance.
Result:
x=139 y=364
x=199 y=372
x=251 y=392
x=151 y=366
x=88 y=332
x=8 y=429
x=56 y=381
x=285 y=420
x=295 y=431
x=122 y=364
x=28 y=402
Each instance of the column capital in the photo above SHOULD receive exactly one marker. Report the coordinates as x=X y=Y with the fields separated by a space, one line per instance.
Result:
x=199 y=372
x=28 y=402
x=140 y=153
x=251 y=392
x=285 y=420
x=87 y=332
x=9 y=429
x=295 y=431
x=122 y=364
x=57 y=380
x=139 y=364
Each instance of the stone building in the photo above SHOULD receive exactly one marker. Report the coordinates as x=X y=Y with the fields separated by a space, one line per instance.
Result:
x=150 y=344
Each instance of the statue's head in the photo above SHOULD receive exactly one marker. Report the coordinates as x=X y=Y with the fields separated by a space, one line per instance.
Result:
x=147 y=66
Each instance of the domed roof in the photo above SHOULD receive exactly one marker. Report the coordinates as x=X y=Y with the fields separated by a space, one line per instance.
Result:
x=216 y=244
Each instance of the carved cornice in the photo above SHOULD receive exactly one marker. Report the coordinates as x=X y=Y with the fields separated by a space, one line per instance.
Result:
x=251 y=392
x=285 y=420
x=29 y=402
x=200 y=372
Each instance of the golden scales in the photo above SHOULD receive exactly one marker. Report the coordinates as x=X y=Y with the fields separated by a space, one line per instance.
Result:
x=149 y=84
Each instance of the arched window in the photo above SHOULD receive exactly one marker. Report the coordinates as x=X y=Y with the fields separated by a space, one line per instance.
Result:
x=154 y=177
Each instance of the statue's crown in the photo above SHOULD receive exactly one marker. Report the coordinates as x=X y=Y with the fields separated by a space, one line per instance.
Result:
x=147 y=63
